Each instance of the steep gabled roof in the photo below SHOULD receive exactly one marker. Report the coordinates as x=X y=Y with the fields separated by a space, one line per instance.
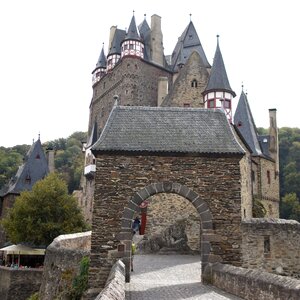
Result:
x=187 y=43
x=93 y=136
x=132 y=33
x=144 y=29
x=218 y=79
x=244 y=122
x=101 y=63
x=116 y=42
x=35 y=168
x=167 y=130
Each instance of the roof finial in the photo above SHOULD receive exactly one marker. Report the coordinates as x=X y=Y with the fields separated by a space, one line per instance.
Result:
x=190 y=17
x=242 y=86
x=133 y=12
x=145 y=16
x=218 y=38
x=39 y=136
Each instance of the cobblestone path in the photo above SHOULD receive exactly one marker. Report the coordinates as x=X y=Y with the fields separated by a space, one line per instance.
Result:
x=170 y=277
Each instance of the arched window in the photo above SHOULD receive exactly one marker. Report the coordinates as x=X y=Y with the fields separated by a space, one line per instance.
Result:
x=194 y=83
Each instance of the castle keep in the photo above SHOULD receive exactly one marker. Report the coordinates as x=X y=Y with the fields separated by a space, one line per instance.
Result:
x=162 y=133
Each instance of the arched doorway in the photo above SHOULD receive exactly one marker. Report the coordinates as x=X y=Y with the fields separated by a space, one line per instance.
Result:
x=143 y=194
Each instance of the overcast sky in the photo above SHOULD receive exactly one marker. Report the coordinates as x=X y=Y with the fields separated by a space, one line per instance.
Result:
x=49 y=49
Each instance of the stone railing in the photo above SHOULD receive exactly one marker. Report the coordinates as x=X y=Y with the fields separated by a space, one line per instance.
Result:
x=252 y=284
x=19 y=283
x=115 y=284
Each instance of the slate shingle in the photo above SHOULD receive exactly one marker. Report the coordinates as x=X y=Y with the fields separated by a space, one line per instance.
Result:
x=167 y=129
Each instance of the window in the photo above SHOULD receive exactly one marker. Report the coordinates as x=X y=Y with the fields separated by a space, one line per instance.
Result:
x=194 y=83
x=268 y=177
x=239 y=124
x=186 y=105
x=267 y=245
x=227 y=104
x=130 y=46
x=211 y=103
x=253 y=175
x=37 y=156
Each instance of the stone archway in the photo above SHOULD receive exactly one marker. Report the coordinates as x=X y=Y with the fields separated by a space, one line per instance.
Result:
x=167 y=187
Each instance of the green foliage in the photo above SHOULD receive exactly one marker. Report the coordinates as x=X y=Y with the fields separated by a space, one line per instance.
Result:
x=40 y=215
x=290 y=207
x=258 y=209
x=80 y=282
x=10 y=160
x=289 y=159
x=34 y=296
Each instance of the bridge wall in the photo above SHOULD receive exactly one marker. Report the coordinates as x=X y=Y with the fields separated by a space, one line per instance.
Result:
x=272 y=245
x=252 y=284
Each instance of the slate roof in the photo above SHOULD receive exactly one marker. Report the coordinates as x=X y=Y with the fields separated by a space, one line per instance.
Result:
x=244 y=122
x=93 y=136
x=35 y=168
x=187 y=43
x=101 y=63
x=132 y=33
x=167 y=129
x=116 y=42
x=218 y=79
x=264 y=141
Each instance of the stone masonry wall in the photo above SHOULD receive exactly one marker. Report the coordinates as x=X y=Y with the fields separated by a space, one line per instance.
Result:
x=272 y=245
x=118 y=178
x=133 y=80
x=61 y=265
x=268 y=188
x=252 y=284
x=19 y=283
x=165 y=209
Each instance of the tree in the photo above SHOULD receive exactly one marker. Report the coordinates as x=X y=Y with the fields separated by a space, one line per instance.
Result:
x=40 y=215
x=290 y=207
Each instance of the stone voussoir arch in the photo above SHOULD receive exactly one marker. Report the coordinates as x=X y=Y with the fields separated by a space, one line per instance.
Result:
x=179 y=189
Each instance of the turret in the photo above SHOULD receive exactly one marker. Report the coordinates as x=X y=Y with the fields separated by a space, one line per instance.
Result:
x=132 y=44
x=100 y=69
x=218 y=93
x=114 y=54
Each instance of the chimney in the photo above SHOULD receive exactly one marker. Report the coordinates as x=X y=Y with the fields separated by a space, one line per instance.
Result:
x=273 y=133
x=111 y=36
x=156 y=42
x=162 y=90
x=50 y=159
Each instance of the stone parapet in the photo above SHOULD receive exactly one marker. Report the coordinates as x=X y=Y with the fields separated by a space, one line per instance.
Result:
x=252 y=284
x=271 y=245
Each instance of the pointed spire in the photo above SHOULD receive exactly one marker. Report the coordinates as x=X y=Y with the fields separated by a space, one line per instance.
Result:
x=132 y=33
x=101 y=63
x=218 y=79
x=244 y=121
x=188 y=42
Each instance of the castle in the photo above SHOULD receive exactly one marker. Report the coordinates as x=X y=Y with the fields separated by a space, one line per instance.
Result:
x=165 y=144
x=140 y=74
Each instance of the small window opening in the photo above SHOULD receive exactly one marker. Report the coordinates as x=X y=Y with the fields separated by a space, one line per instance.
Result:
x=194 y=83
x=268 y=177
x=37 y=156
x=267 y=245
x=186 y=105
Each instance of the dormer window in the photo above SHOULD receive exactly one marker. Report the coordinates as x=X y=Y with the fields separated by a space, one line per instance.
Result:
x=239 y=124
x=28 y=179
x=37 y=156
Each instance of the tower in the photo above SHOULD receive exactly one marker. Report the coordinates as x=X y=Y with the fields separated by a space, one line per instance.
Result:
x=100 y=69
x=218 y=93
x=132 y=44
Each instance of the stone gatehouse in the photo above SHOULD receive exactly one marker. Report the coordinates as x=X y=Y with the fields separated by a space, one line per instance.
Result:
x=141 y=156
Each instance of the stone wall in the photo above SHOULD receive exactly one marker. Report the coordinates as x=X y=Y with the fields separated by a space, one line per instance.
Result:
x=61 y=265
x=19 y=283
x=214 y=180
x=165 y=210
x=133 y=80
x=252 y=284
x=272 y=245
x=267 y=186
x=115 y=284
